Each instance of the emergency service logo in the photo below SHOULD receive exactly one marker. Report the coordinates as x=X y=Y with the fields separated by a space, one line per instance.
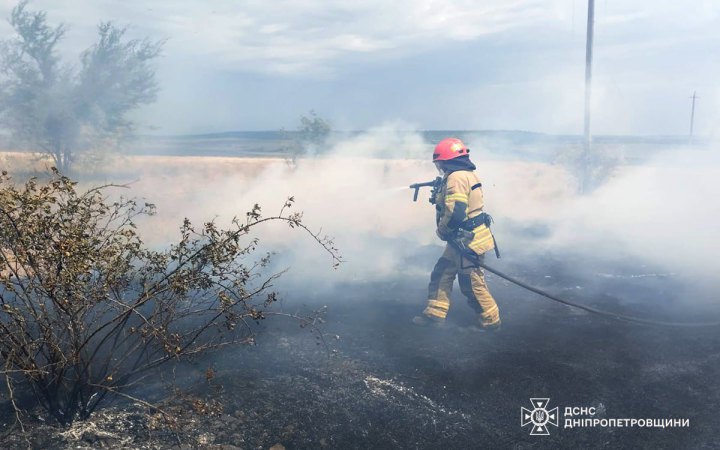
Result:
x=539 y=417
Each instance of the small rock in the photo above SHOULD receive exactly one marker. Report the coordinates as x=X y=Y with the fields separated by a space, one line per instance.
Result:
x=277 y=446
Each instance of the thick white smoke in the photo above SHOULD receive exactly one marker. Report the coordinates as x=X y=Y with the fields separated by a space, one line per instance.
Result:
x=357 y=192
x=661 y=212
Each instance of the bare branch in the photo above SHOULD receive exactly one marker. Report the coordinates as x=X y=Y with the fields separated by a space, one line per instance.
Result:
x=87 y=311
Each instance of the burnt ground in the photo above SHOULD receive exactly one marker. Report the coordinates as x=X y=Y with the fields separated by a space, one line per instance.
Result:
x=386 y=383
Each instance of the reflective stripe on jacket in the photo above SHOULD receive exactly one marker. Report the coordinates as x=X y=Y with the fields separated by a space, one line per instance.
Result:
x=459 y=199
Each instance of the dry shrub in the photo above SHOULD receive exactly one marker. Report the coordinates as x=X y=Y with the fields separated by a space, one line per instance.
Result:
x=87 y=311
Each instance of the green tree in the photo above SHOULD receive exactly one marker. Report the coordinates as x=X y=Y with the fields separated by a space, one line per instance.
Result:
x=314 y=131
x=64 y=111
x=311 y=138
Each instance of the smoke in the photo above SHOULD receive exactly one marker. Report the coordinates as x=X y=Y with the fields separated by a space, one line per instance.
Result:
x=660 y=213
x=356 y=192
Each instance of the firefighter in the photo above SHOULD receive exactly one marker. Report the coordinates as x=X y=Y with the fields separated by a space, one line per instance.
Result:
x=461 y=223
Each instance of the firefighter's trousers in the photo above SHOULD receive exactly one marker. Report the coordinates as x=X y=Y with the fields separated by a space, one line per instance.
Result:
x=472 y=285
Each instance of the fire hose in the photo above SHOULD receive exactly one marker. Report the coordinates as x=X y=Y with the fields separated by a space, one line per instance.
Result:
x=592 y=310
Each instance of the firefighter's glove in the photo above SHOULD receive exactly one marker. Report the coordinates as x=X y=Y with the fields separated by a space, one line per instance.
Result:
x=443 y=236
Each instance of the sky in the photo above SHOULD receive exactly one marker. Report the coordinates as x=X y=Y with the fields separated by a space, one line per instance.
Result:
x=425 y=64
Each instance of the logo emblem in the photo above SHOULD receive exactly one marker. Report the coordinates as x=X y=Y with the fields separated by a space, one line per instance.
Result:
x=539 y=417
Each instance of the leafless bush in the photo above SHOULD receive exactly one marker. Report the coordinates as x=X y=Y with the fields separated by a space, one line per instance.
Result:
x=88 y=311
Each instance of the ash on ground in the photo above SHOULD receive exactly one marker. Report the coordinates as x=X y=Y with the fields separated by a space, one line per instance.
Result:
x=386 y=383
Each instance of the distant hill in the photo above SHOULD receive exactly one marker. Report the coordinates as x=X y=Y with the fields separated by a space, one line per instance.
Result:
x=511 y=143
x=502 y=143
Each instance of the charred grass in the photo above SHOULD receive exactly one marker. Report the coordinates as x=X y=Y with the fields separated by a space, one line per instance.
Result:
x=382 y=382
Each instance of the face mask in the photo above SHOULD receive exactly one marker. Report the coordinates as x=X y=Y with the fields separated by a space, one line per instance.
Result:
x=438 y=166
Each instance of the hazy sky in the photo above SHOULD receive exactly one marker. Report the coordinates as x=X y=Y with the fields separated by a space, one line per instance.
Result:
x=473 y=64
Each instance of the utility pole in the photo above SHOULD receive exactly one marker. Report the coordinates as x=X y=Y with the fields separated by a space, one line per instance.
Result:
x=588 y=90
x=692 y=116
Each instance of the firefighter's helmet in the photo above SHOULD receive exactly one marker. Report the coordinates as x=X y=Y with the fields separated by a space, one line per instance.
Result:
x=449 y=148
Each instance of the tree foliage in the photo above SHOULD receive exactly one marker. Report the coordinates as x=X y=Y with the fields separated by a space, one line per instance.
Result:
x=314 y=131
x=87 y=310
x=54 y=108
x=310 y=139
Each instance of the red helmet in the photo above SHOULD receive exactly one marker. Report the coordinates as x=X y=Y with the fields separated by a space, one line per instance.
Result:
x=449 y=148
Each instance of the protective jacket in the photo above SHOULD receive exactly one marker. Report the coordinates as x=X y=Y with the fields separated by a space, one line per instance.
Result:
x=460 y=204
